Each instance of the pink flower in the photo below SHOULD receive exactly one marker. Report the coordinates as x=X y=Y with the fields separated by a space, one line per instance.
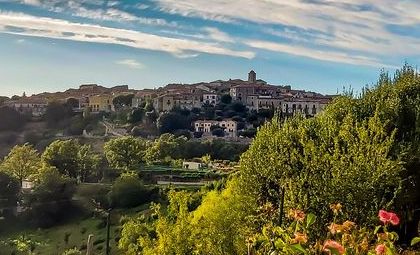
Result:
x=386 y=217
x=380 y=249
x=394 y=219
x=331 y=245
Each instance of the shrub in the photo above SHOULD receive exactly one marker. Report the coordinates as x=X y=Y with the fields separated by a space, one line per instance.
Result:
x=128 y=191
x=323 y=160
x=73 y=251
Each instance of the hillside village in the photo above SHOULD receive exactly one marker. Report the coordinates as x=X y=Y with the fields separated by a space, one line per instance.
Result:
x=254 y=95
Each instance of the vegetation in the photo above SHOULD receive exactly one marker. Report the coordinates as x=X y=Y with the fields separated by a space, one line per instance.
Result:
x=71 y=158
x=22 y=162
x=359 y=152
x=125 y=153
x=360 y=157
x=128 y=191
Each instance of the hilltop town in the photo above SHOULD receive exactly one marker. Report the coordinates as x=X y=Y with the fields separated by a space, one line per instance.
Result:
x=222 y=108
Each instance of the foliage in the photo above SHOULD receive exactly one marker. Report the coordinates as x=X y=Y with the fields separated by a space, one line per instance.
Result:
x=88 y=162
x=344 y=238
x=250 y=133
x=217 y=226
x=122 y=101
x=167 y=145
x=226 y=99
x=9 y=190
x=32 y=137
x=219 y=132
x=128 y=191
x=24 y=244
x=57 y=112
x=136 y=115
x=73 y=251
x=323 y=160
x=50 y=198
x=22 y=162
x=125 y=153
x=172 y=121
x=11 y=120
x=71 y=158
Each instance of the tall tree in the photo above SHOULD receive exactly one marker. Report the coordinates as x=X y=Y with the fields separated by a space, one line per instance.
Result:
x=62 y=154
x=125 y=153
x=71 y=158
x=22 y=162
x=167 y=145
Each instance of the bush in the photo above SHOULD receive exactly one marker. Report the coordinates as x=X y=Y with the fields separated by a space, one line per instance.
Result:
x=73 y=251
x=128 y=191
x=97 y=192
x=323 y=160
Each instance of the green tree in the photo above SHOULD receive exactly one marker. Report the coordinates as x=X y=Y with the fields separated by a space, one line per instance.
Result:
x=9 y=190
x=172 y=121
x=122 y=101
x=57 y=112
x=167 y=145
x=226 y=99
x=136 y=115
x=126 y=152
x=128 y=191
x=88 y=162
x=51 y=198
x=71 y=158
x=22 y=162
x=219 y=225
x=322 y=161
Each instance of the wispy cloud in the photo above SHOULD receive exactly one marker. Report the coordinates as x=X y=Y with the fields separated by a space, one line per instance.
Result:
x=131 y=63
x=352 y=27
x=218 y=35
x=22 y=24
x=331 y=56
x=103 y=11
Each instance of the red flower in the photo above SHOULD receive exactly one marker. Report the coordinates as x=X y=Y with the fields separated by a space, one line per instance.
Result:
x=331 y=245
x=380 y=249
x=386 y=217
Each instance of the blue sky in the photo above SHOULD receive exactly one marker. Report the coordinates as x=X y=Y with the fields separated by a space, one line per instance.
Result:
x=318 y=45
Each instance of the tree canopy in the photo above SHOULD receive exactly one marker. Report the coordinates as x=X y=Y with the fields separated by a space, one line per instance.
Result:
x=22 y=162
x=125 y=153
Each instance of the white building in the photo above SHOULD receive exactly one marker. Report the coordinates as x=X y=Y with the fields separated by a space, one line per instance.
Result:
x=192 y=165
x=30 y=105
x=306 y=106
x=229 y=126
x=256 y=102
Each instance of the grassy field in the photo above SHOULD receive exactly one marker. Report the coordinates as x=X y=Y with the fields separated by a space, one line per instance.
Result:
x=73 y=233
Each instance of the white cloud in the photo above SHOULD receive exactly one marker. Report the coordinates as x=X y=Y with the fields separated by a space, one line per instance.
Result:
x=358 y=26
x=323 y=55
x=32 y=2
x=218 y=35
x=22 y=24
x=142 y=6
x=131 y=63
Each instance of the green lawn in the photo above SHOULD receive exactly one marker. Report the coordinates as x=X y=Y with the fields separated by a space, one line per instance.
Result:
x=78 y=229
